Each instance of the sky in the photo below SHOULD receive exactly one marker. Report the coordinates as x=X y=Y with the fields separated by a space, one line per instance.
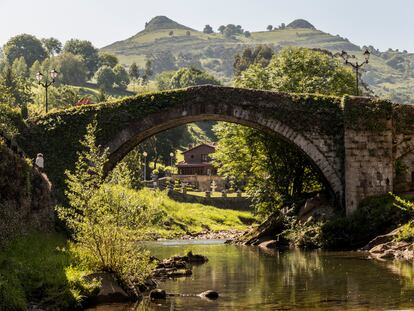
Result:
x=381 y=23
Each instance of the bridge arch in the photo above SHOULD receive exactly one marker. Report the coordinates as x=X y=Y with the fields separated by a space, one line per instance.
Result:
x=314 y=124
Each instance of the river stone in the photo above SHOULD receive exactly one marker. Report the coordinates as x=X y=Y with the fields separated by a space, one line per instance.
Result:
x=158 y=294
x=109 y=291
x=209 y=294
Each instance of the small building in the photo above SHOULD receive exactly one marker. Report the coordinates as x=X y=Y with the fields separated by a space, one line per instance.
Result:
x=197 y=169
x=197 y=161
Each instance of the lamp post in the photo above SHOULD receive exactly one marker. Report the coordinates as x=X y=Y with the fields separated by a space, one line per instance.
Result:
x=171 y=158
x=356 y=65
x=39 y=77
x=145 y=154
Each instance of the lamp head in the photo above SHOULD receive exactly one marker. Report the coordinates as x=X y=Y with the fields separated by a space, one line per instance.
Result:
x=367 y=54
x=39 y=76
x=145 y=154
x=53 y=74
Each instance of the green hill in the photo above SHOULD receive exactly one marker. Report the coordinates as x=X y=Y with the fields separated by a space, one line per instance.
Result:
x=389 y=73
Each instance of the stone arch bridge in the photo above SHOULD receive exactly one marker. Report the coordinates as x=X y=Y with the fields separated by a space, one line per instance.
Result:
x=361 y=146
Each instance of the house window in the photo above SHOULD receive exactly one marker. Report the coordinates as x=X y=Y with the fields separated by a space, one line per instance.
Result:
x=204 y=158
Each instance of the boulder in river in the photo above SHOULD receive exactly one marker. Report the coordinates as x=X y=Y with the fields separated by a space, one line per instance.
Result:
x=209 y=294
x=158 y=294
x=109 y=290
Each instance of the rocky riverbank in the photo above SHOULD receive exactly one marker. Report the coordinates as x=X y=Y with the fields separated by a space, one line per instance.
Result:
x=232 y=234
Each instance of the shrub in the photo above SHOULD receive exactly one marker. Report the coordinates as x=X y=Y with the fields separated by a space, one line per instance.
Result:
x=374 y=216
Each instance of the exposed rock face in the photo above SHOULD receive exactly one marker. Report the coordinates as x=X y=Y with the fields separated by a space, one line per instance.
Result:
x=393 y=250
x=25 y=197
x=209 y=294
x=178 y=266
x=317 y=207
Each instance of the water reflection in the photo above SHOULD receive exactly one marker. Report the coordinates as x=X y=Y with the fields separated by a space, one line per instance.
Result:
x=248 y=278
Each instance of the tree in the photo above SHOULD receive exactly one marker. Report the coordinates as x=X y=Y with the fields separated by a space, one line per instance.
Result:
x=20 y=68
x=85 y=49
x=147 y=71
x=171 y=33
x=188 y=33
x=162 y=61
x=276 y=171
x=186 y=77
x=36 y=67
x=72 y=69
x=105 y=77
x=269 y=28
x=104 y=220
x=261 y=55
x=247 y=34
x=208 y=29
x=26 y=46
x=121 y=76
x=52 y=46
x=107 y=59
x=20 y=88
x=133 y=71
x=221 y=29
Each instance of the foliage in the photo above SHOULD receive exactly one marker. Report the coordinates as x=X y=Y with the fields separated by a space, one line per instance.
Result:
x=107 y=59
x=63 y=96
x=184 y=77
x=17 y=89
x=10 y=120
x=86 y=50
x=304 y=234
x=261 y=55
x=72 y=69
x=276 y=171
x=26 y=46
x=162 y=61
x=208 y=29
x=52 y=46
x=39 y=266
x=103 y=221
x=121 y=76
x=133 y=71
x=105 y=77
x=19 y=68
x=374 y=216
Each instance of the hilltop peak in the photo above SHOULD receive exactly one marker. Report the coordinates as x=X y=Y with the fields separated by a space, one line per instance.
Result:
x=163 y=22
x=300 y=23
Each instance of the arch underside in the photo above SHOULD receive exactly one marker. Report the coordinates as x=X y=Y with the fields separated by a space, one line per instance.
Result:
x=138 y=131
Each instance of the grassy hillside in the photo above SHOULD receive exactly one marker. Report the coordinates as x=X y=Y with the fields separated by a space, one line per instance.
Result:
x=389 y=73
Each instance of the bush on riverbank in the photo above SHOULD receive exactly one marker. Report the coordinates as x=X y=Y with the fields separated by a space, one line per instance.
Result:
x=37 y=269
x=374 y=216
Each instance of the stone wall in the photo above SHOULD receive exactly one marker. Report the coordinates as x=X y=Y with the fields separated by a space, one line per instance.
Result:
x=25 y=197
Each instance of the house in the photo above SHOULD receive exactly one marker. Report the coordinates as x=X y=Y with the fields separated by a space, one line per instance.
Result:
x=197 y=161
x=197 y=169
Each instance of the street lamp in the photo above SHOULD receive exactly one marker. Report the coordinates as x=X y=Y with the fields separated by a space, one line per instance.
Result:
x=171 y=158
x=145 y=154
x=39 y=77
x=356 y=65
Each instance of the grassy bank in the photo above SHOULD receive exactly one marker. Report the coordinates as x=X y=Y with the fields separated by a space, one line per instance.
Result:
x=37 y=269
x=173 y=219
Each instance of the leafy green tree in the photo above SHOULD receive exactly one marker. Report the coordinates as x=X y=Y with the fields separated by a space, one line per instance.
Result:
x=171 y=33
x=247 y=34
x=121 y=76
x=36 y=67
x=133 y=71
x=52 y=45
x=103 y=219
x=276 y=171
x=221 y=29
x=85 y=49
x=208 y=29
x=19 y=68
x=26 y=46
x=20 y=88
x=186 y=77
x=148 y=72
x=162 y=61
x=105 y=77
x=107 y=59
x=269 y=28
x=72 y=69
x=261 y=55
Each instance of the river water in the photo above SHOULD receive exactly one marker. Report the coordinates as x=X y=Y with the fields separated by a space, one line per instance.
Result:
x=249 y=278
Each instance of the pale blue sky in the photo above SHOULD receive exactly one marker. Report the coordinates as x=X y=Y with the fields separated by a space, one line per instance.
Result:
x=382 y=23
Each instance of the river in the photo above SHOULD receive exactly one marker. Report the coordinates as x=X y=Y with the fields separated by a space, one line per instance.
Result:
x=249 y=278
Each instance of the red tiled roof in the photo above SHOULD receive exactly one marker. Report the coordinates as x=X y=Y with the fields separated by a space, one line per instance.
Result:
x=84 y=101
